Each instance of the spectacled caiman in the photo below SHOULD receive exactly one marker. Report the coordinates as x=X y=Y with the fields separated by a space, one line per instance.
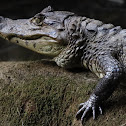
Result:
x=74 y=41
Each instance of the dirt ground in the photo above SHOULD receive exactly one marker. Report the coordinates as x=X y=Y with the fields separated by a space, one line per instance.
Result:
x=36 y=92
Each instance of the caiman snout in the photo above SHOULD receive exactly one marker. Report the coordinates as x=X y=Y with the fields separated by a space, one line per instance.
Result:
x=2 y=22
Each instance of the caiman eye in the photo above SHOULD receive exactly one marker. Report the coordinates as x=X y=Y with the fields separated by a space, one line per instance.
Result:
x=38 y=20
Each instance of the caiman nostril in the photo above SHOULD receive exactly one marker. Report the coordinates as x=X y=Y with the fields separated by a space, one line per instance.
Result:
x=2 y=22
x=1 y=19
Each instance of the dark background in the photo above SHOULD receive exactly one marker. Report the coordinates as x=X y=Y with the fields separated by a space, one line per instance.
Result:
x=113 y=11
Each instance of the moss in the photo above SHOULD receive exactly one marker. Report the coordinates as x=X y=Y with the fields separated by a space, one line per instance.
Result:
x=45 y=101
x=52 y=100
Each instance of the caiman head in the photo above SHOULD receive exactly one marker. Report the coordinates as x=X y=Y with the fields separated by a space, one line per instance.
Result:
x=44 y=33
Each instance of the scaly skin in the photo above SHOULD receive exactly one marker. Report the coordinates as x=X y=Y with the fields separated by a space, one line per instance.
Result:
x=74 y=41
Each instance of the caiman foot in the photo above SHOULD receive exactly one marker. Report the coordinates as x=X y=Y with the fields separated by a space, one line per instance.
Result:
x=87 y=107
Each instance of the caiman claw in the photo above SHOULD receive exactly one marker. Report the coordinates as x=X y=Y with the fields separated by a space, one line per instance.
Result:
x=87 y=107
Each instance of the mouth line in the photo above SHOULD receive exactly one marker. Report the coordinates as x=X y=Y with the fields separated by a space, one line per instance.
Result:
x=31 y=37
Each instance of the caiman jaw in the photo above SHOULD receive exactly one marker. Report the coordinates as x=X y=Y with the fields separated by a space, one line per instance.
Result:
x=42 y=44
x=42 y=39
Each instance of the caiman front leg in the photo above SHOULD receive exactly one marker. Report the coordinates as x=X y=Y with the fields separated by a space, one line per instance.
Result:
x=113 y=70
